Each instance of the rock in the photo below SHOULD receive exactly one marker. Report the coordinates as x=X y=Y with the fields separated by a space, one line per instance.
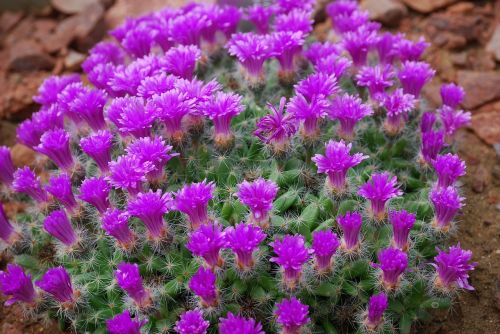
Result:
x=27 y=55
x=388 y=12
x=461 y=7
x=427 y=6
x=16 y=100
x=431 y=94
x=73 y=60
x=459 y=59
x=23 y=30
x=480 y=60
x=480 y=179
x=493 y=45
x=481 y=87
x=73 y=6
x=497 y=294
x=487 y=126
x=9 y=19
x=22 y=156
x=7 y=133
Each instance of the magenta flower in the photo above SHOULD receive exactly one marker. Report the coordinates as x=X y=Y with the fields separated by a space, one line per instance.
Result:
x=318 y=51
x=16 y=285
x=207 y=242
x=243 y=240
x=57 y=282
x=292 y=315
x=291 y=255
x=296 y=20
x=186 y=29
x=377 y=304
x=452 y=268
x=55 y=145
x=398 y=105
x=350 y=223
x=181 y=60
x=193 y=200
x=191 y=322
x=427 y=121
x=131 y=117
x=453 y=120
x=60 y=187
x=349 y=110
x=286 y=6
x=393 y=263
x=341 y=7
x=228 y=19
x=260 y=17
x=333 y=65
x=221 y=109
x=238 y=324
x=452 y=95
x=414 y=75
x=65 y=101
x=98 y=147
x=103 y=53
x=6 y=228
x=95 y=191
x=197 y=90
x=52 y=86
x=317 y=85
x=376 y=79
x=89 y=105
x=115 y=224
x=30 y=130
x=352 y=22
x=446 y=203
x=25 y=181
x=129 y=279
x=123 y=323
x=287 y=46
x=101 y=76
x=358 y=43
x=449 y=168
x=308 y=113
x=155 y=152
x=203 y=285
x=387 y=47
x=432 y=143
x=336 y=163
x=409 y=50
x=139 y=40
x=6 y=166
x=150 y=208
x=59 y=226
x=380 y=189
x=156 y=85
x=258 y=196
x=402 y=222
x=324 y=245
x=129 y=173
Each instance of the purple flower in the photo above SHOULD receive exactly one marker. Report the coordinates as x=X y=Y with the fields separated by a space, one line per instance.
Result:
x=453 y=120
x=287 y=46
x=376 y=78
x=392 y=263
x=252 y=51
x=228 y=19
x=377 y=305
x=60 y=187
x=446 y=203
x=381 y=188
x=186 y=29
x=221 y=109
x=131 y=117
x=65 y=101
x=59 y=226
x=296 y=20
x=432 y=143
x=452 y=268
x=286 y=6
x=238 y=324
x=6 y=228
x=243 y=240
x=203 y=285
x=398 y=105
x=358 y=43
x=352 y=22
x=341 y=7
x=291 y=255
x=207 y=242
x=449 y=168
x=115 y=223
x=95 y=191
x=191 y=322
x=123 y=323
x=324 y=244
x=129 y=279
x=153 y=151
x=101 y=75
x=89 y=105
x=258 y=196
x=409 y=50
x=336 y=162
x=350 y=223
x=6 y=166
x=292 y=315
x=193 y=200
x=126 y=79
x=402 y=222
x=260 y=17
x=156 y=85
x=414 y=75
x=57 y=282
x=129 y=173
x=427 y=121
x=317 y=85
x=276 y=128
x=25 y=181
x=55 y=145
x=181 y=60
x=452 y=95
x=98 y=147
x=333 y=65
x=15 y=284
x=349 y=110
x=103 y=53
x=52 y=86
x=318 y=51
x=197 y=90
x=387 y=47
x=30 y=131
x=309 y=113
x=150 y=208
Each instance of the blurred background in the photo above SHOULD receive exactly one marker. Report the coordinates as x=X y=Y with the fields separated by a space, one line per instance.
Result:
x=39 y=38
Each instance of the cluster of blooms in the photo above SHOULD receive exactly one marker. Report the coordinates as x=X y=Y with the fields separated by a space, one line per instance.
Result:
x=109 y=146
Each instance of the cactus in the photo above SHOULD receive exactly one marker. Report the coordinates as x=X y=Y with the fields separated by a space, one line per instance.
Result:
x=185 y=194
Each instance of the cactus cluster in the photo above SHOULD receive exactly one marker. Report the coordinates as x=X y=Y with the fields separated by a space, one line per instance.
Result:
x=217 y=169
